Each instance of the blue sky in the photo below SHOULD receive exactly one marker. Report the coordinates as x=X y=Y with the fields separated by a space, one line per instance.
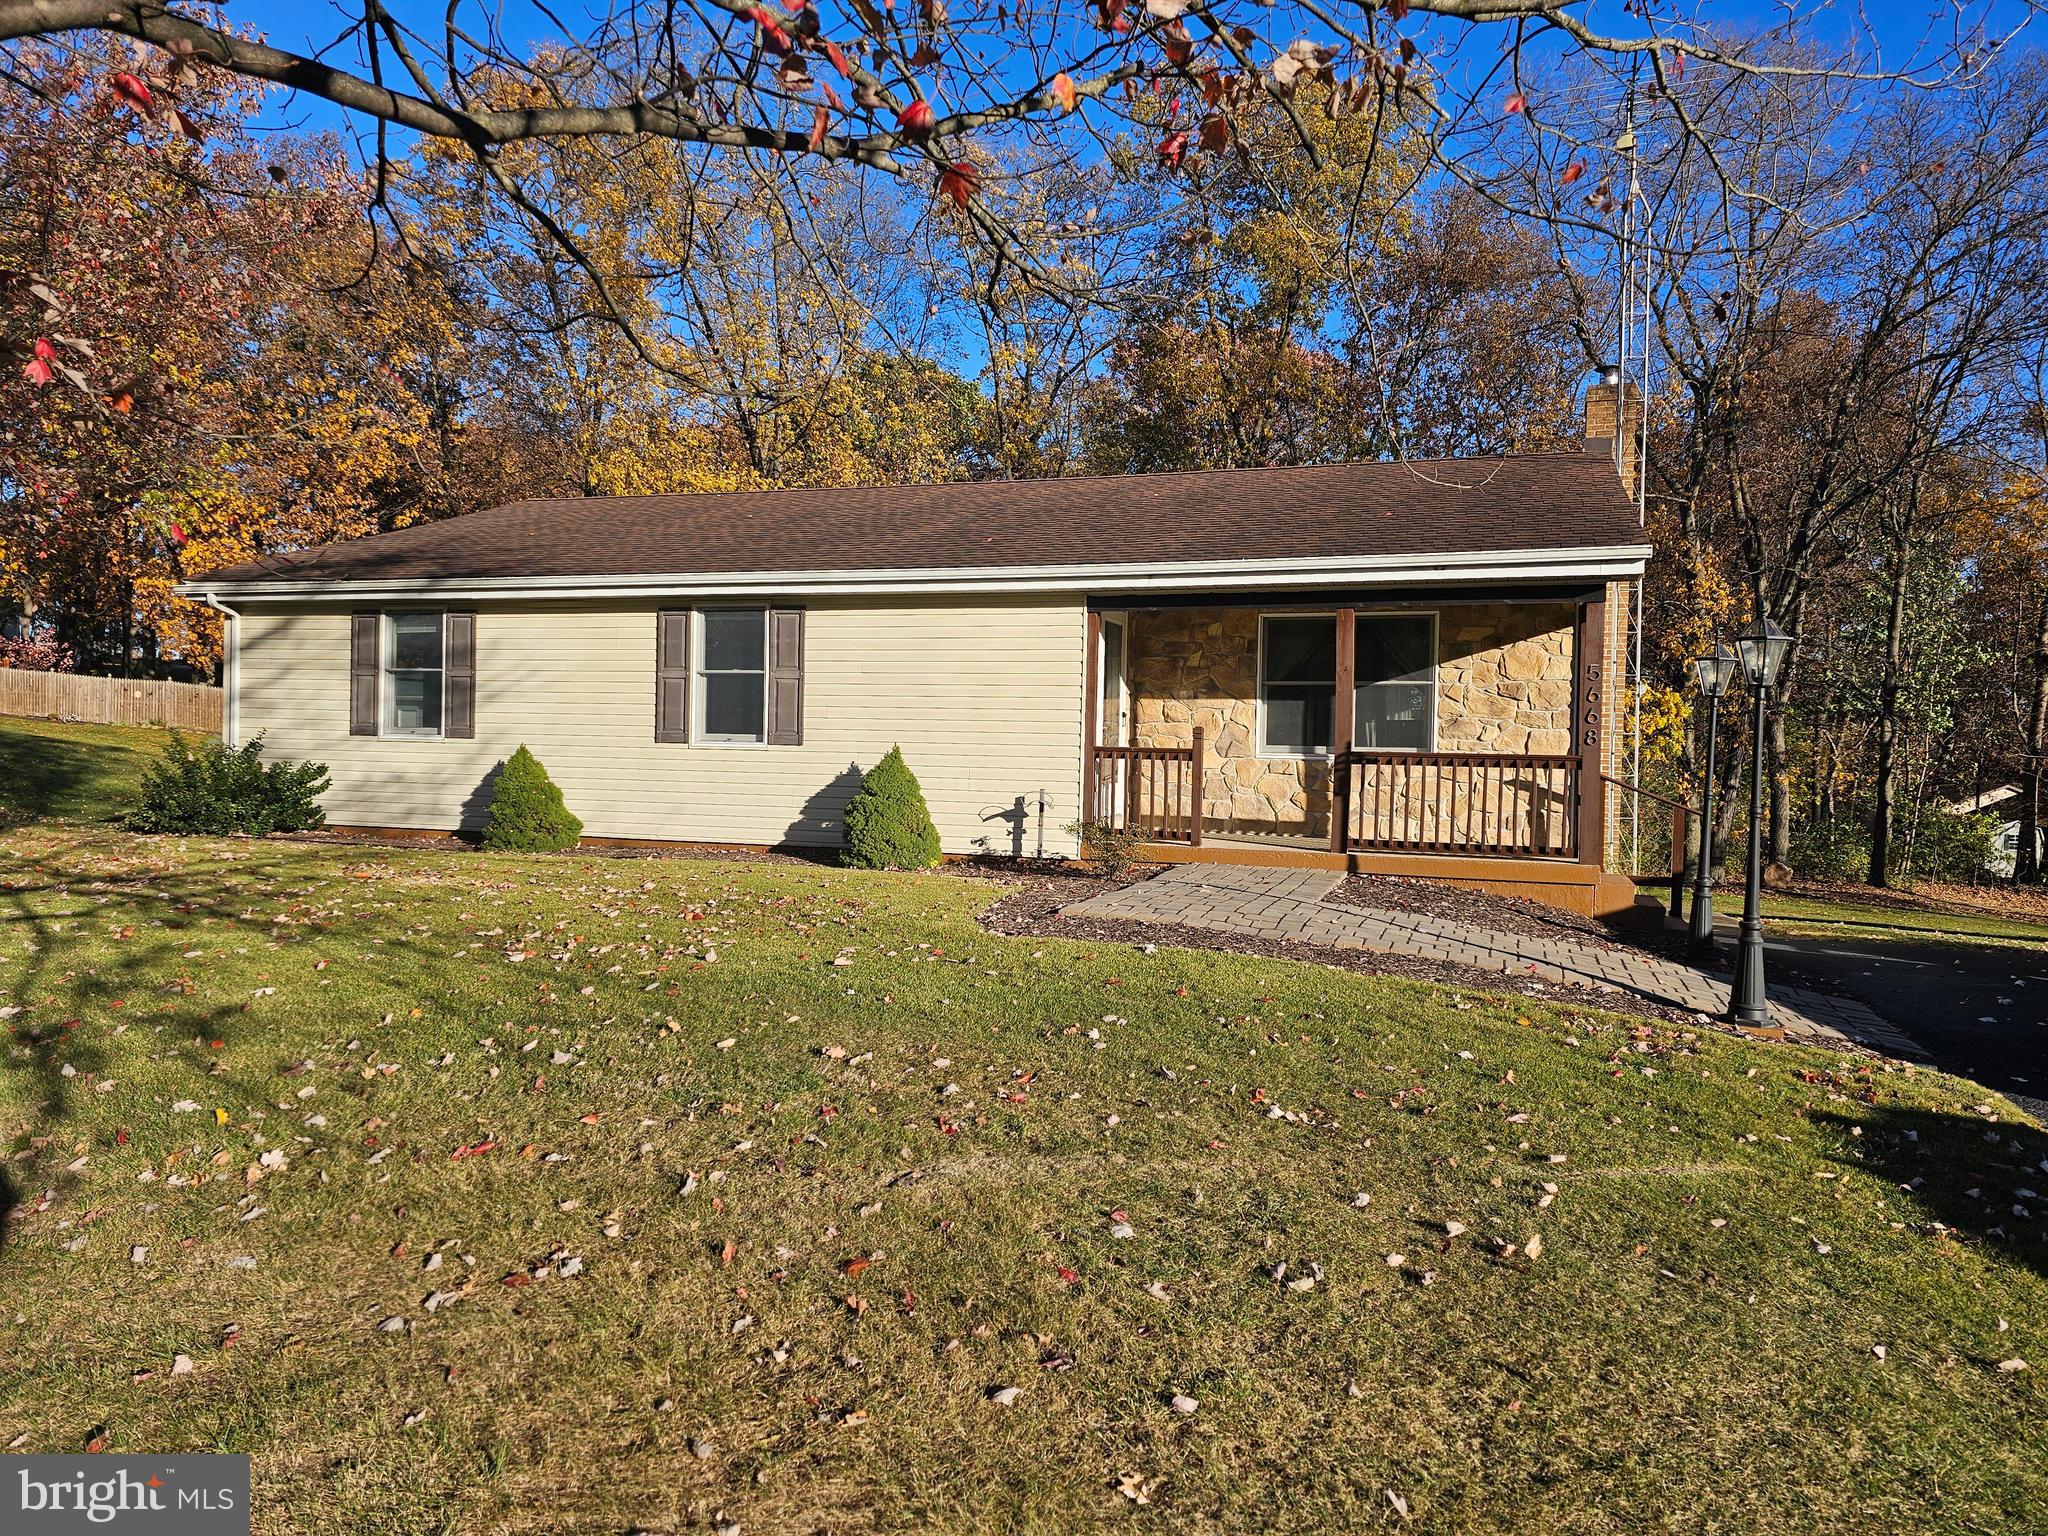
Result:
x=1899 y=27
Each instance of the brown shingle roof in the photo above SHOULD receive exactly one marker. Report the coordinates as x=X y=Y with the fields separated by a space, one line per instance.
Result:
x=1519 y=502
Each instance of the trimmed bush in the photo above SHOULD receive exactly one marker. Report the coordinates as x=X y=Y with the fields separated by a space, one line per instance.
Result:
x=527 y=813
x=220 y=789
x=887 y=823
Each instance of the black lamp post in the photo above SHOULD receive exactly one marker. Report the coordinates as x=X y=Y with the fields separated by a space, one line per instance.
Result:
x=1763 y=647
x=1717 y=675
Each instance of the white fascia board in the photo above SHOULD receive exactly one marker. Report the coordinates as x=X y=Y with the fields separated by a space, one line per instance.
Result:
x=1609 y=562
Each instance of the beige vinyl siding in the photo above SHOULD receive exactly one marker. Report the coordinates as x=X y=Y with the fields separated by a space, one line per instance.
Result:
x=984 y=696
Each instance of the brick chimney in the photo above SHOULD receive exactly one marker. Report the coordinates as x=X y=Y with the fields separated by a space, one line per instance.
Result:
x=1611 y=404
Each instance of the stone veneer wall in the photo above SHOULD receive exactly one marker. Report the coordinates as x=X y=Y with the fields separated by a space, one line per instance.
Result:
x=1504 y=678
x=1504 y=684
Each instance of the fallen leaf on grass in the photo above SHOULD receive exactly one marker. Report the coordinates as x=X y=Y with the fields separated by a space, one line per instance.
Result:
x=1138 y=1488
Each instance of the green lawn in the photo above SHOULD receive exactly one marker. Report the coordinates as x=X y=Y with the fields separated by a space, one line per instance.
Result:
x=1876 y=922
x=54 y=770
x=589 y=1195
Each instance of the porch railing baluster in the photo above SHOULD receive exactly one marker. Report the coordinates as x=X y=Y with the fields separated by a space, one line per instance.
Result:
x=1495 y=803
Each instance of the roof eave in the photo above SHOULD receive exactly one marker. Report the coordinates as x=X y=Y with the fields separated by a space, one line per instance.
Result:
x=1602 y=562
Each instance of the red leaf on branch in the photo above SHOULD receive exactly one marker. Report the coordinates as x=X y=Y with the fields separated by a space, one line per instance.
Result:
x=1180 y=48
x=1573 y=172
x=188 y=127
x=1062 y=91
x=131 y=90
x=838 y=57
x=46 y=349
x=916 y=121
x=178 y=533
x=39 y=372
x=771 y=29
x=820 y=121
x=1173 y=149
x=959 y=181
x=1516 y=105
x=1397 y=10
x=1216 y=133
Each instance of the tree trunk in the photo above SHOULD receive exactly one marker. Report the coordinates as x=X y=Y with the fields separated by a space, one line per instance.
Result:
x=2028 y=867
x=1883 y=815
x=1729 y=801
x=1780 y=845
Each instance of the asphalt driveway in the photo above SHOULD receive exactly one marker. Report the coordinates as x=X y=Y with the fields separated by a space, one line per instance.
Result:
x=1980 y=1010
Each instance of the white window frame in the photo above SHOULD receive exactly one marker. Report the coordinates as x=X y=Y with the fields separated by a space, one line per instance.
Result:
x=387 y=653
x=1435 y=617
x=700 y=693
x=1259 y=747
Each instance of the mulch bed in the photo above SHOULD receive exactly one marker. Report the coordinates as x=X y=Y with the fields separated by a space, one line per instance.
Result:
x=1035 y=908
x=446 y=842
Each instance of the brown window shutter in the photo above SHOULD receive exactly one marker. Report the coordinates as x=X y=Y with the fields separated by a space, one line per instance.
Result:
x=785 y=677
x=458 y=661
x=365 y=638
x=672 y=674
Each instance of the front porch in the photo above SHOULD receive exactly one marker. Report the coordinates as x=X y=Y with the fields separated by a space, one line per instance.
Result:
x=1461 y=736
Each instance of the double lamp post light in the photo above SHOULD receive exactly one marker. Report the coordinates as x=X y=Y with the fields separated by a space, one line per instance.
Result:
x=1759 y=655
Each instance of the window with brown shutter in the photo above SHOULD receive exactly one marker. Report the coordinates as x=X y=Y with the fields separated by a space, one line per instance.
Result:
x=365 y=651
x=459 y=711
x=785 y=677
x=672 y=674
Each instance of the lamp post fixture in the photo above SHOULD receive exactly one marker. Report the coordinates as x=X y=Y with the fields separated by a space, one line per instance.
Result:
x=1763 y=647
x=1717 y=675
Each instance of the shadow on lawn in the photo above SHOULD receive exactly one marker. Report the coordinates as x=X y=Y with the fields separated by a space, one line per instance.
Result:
x=44 y=907
x=44 y=776
x=1983 y=1181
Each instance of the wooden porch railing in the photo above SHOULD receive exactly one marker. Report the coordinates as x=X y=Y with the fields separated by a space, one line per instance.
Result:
x=1154 y=792
x=1682 y=818
x=1480 y=803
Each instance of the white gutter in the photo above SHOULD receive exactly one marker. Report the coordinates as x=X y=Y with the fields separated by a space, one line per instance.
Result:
x=1578 y=563
x=230 y=662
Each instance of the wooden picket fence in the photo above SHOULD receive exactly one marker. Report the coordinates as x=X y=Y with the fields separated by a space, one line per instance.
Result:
x=109 y=700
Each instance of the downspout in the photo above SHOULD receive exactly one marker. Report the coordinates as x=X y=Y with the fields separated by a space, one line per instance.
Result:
x=230 y=670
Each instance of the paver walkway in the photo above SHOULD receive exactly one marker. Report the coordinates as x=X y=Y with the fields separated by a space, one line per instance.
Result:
x=1293 y=904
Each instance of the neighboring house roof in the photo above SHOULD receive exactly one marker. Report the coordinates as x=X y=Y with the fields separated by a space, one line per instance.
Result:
x=1989 y=800
x=1512 y=515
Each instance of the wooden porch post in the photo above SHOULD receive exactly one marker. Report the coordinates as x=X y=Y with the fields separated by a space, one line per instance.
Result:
x=1342 y=727
x=1091 y=706
x=1589 y=664
x=1195 y=770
